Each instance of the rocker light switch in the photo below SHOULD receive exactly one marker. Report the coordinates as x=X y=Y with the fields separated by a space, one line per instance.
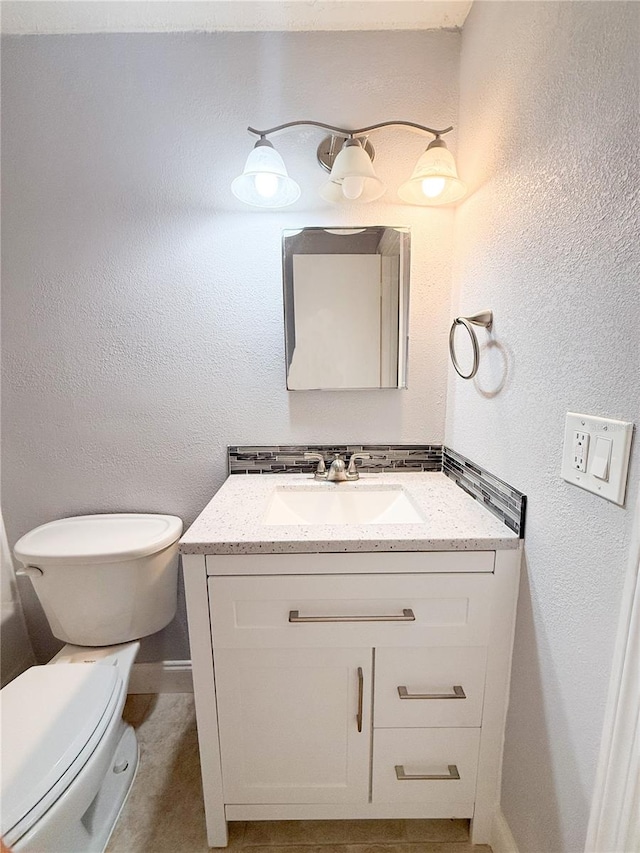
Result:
x=596 y=455
x=601 y=457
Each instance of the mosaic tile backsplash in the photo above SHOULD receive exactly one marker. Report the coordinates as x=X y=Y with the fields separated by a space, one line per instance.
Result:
x=289 y=459
x=505 y=502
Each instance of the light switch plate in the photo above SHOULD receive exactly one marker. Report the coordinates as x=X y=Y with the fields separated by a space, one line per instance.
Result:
x=580 y=463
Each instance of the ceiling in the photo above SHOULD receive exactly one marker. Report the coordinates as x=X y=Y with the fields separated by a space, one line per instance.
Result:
x=22 y=17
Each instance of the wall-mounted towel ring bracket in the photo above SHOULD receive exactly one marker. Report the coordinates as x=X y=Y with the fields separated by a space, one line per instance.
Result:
x=484 y=318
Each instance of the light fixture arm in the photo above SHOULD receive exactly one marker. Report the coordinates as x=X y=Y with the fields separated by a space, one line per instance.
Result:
x=343 y=131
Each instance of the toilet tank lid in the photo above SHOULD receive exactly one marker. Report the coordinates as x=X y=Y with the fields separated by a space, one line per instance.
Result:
x=49 y=714
x=107 y=538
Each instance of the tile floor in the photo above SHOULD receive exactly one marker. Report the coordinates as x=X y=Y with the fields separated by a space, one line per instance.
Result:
x=164 y=812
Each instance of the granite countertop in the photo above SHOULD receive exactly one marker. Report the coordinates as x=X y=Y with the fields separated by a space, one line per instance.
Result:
x=231 y=523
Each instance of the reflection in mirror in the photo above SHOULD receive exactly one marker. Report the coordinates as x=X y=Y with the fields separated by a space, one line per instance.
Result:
x=346 y=307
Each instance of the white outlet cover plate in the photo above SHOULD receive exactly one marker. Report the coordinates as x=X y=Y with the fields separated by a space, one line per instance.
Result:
x=620 y=434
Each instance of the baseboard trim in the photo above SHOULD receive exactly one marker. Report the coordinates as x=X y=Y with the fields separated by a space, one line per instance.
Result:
x=164 y=676
x=502 y=840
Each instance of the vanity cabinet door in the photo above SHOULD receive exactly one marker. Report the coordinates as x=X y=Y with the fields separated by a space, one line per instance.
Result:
x=294 y=724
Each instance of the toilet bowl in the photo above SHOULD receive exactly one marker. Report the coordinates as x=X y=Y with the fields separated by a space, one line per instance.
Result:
x=69 y=759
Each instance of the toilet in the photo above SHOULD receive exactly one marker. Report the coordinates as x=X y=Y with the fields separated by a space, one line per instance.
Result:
x=68 y=757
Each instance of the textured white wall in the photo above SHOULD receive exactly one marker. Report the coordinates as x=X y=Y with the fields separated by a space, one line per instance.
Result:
x=550 y=241
x=142 y=305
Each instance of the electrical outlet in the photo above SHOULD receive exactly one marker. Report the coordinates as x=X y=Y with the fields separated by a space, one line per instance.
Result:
x=596 y=455
x=580 y=450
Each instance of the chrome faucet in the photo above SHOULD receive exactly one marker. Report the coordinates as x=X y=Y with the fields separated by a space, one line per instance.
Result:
x=338 y=471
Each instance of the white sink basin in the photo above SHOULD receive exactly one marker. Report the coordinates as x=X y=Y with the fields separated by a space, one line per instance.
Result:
x=341 y=504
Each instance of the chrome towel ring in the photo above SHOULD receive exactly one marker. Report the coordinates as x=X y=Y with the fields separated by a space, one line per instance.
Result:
x=484 y=318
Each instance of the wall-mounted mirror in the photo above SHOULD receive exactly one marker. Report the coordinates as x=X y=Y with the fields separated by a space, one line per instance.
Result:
x=346 y=307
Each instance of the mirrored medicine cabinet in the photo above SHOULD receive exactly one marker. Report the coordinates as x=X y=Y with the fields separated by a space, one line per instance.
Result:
x=346 y=307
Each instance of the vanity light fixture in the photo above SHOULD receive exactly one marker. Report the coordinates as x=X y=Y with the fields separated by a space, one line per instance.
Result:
x=264 y=181
x=348 y=156
x=352 y=176
x=434 y=179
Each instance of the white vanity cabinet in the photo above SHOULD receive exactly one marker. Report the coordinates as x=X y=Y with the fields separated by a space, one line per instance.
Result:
x=351 y=685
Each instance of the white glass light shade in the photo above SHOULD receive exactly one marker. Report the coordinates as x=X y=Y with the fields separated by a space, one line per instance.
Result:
x=264 y=181
x=434 y=180
x=352 y=177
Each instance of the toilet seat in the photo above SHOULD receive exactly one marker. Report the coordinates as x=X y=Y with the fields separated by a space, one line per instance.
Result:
x=53 y=719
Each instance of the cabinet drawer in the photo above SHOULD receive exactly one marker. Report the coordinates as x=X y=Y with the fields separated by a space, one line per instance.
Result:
x=400 y=756
x=429 y=687
x=343 y=611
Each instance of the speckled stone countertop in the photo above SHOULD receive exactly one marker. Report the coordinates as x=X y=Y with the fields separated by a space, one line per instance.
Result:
x=232 y=523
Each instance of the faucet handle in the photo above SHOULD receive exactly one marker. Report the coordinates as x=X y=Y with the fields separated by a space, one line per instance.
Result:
x=321 y=470
x=352 y=471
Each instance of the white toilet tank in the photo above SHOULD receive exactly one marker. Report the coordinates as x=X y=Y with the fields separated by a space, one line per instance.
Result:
x=104 y=579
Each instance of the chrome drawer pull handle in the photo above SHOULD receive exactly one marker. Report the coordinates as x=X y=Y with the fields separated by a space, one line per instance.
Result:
x=360 y=698
x=407 y=616
x=401 y=776
x=458 y=693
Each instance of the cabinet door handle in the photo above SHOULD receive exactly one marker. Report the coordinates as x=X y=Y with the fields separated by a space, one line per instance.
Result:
x=458 y=693
x=401 y=776
x=360 y=698
x=407 y=616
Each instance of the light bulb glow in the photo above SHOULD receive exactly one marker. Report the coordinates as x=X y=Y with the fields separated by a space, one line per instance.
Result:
x=266 y=184
x=264 y=181
x=433 y=187
x=352 y=187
